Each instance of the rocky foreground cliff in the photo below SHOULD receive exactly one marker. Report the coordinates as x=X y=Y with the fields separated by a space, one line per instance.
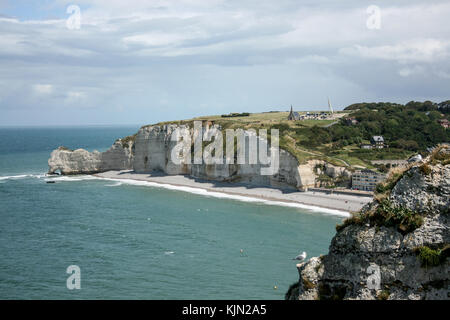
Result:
x=397 y=247
x=150 y=150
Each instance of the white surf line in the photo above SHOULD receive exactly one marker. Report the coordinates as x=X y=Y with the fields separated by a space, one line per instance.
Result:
x=14 y=177
x=73 y=178
x=193 y=190
x=22 y=176
x=224 y=195
x=119 y=183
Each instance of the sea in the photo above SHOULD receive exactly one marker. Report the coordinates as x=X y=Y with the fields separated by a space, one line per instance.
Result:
x=136 y=241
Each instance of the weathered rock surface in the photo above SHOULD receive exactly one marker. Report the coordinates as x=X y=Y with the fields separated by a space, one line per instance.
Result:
x=74 y=161
x=150 y=150
x=153 y=146
x=335 y=171
x=424 y=191
x=81 y=161
x=359 y=254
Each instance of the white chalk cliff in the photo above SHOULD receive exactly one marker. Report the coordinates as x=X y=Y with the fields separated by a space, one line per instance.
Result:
x=150 y=150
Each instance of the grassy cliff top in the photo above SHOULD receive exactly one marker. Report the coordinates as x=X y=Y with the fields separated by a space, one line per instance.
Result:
x=277 y=120
x=272 y=117
x=407 y=129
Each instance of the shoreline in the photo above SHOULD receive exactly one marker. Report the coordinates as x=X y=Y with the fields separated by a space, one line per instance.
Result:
x=336 y=204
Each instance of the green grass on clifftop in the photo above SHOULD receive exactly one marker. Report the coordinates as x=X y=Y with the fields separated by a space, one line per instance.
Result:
x=407 y=129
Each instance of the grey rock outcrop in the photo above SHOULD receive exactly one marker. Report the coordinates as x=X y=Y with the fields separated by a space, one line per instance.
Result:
x=424 y=191
x=377 y=261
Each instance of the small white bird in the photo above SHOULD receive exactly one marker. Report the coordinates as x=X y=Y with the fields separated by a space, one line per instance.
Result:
x=301 y=256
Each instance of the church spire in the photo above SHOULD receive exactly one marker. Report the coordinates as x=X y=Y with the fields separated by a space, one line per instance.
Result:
x=291 y=115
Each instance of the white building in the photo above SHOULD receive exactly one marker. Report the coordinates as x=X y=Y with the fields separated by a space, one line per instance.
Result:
x=366 y=179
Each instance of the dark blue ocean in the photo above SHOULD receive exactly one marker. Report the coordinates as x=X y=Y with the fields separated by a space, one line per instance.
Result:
x=138 y=242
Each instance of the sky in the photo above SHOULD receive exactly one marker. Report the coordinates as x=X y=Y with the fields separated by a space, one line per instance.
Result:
x=142 y=62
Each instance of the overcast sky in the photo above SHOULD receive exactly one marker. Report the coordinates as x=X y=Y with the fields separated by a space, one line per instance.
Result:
x=140 y=62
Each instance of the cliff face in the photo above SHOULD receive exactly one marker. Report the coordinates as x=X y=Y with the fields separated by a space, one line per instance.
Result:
x=396 y=248
x=153 y=147
x=153 y=152
x=150 y=150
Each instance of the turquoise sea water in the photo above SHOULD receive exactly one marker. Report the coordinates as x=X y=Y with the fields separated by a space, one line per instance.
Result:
x=137 y=242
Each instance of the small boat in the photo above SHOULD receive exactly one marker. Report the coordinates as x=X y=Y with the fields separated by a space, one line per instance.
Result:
x=51 y=181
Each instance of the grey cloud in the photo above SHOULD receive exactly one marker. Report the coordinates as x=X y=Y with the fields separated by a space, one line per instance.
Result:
x=192 y=57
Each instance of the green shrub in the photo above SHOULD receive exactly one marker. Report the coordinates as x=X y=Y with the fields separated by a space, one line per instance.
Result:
x=394 y=176
x=282 y=127
x=127 y=141
x=356 y=218
x=432 y=257
x=382 y=188
x=387 y=215
x=403 y=219
x=440 y=155
x=425 y=169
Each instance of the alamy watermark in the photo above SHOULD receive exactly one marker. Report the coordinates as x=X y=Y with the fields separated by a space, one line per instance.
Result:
x=374 y=279
x=73 y=22
x=373 y=22
x=74 y=280
x=251 y=148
